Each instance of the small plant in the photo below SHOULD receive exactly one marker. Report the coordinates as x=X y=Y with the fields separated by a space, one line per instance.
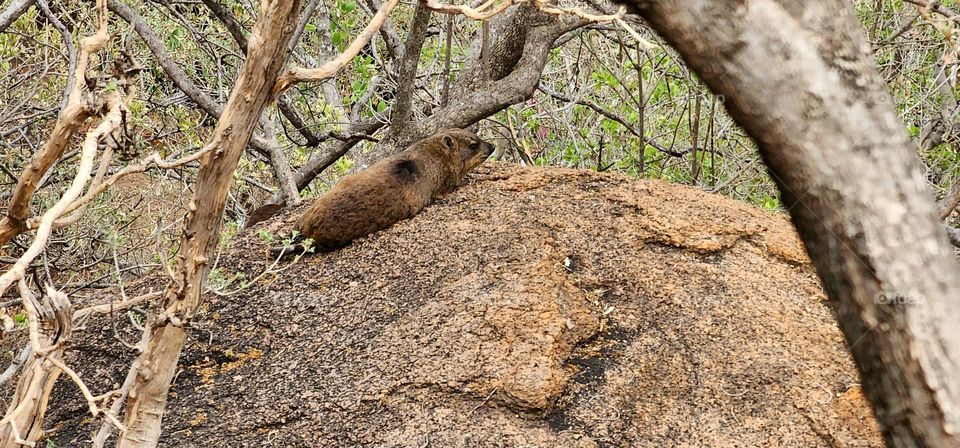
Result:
x=219 y=281
x=216 y=279
x=308 y=247
x=292 y=238
x=137 y=317
x=21 y=320
x=230 y=229
x=266 y=235
x=343 y=165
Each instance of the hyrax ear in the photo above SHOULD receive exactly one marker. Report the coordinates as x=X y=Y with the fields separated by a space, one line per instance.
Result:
x=449 y=142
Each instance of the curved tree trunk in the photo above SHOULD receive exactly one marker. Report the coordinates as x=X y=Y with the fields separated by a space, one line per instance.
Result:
x=252 y=91
x=800 y=78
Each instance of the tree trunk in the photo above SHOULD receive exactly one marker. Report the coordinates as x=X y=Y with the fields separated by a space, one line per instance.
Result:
x=521 y=40
x=799 y=77
x=54 y=324
x=265 y=58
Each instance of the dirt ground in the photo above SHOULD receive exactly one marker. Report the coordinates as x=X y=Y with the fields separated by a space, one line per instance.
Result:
x=530 y=308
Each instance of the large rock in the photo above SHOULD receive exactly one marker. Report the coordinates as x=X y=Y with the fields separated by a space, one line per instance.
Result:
x=530 y=308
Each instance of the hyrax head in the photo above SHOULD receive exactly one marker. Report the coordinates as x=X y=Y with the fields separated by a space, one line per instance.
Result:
x=466 y=148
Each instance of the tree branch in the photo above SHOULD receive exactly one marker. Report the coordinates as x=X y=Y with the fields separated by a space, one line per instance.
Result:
x=950 y=202
x=402 y=110
x=78 y=108
x=183 y=82
x=13 y=12
x=938 y=8
x=517 y=84
x=296 y=75
x=284 y=104
x=229 y=21
x=606 y=113
x=954 y=234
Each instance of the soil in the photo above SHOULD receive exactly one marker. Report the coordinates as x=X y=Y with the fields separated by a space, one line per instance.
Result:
x=529 y=308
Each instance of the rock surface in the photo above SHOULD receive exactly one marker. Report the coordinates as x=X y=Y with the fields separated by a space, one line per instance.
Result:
x=530 y=308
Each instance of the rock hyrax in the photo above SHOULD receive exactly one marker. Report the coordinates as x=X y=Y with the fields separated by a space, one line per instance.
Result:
x=393 y=189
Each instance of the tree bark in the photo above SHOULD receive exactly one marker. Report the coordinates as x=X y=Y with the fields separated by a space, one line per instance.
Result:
x=13 y=12
x=54 y=317
x=281 y=166
x=521 y=42
x=799 y=77
x=950 y=202
x=266 y=56
x=407 y=82
x=79 y=106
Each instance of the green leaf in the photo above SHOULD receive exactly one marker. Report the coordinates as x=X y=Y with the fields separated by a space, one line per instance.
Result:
x=338 y=37
x=346 y=7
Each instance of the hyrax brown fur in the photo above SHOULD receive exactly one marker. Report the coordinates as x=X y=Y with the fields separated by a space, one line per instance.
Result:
x=393 y=189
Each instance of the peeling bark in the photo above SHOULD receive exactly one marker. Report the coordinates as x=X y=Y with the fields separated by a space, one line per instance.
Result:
x=267 y=54
x=24 y=417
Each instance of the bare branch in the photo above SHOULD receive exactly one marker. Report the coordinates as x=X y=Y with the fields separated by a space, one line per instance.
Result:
x=229 y=21
x=296 y=75
x=950 y=202
x=72 y=116
x=68 y=44
x=46 y=224
x=937 y=7
x=284 y=104
x=150 y=161
x=165 y=60
x=280 y=163
x=266 y=148
x=15 y=365
x=13 y=12
x=510 y=84
x=623 y=121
